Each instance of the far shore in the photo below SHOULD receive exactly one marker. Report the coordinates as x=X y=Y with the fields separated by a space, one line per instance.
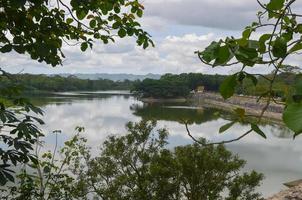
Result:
x=162 y=100
x=252 y=106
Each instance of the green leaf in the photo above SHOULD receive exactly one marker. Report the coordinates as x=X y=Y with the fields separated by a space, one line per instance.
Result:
x=248 y=56
x=18 y=3
x=279 y=48
x=3 y=179
x=297 y=98
x=18 y=40
x=298 y=84
x=43 y=50
x=69 y=20
x=34 y=160
x=241 y=76
x=288 y=36
x=20 y=49
x=252 y=78
x=139 y=13
x=227 y=88
x=122 y=33
x=299 y=28
x=262 y=40
x=240 y=112
x=117 y=9
x=46 y=169
x=92 y=23
x=258 y=130
x=116 y=25
x=133 y=9
x=6 y=48
x=9 y=176
x=223 y=56
x=81 y=14
x=210 y=52
x=292 y=117
x=296 y=47
x=242 y=42
x=84 y=46
x=146 y=44
x=247 y=32
x=226 y=127
x=275 y=4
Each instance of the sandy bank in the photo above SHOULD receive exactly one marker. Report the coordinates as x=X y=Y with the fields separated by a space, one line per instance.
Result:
x=249 y=103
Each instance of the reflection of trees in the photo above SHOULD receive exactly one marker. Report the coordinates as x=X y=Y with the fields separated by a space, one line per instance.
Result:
x=178 y=114
x=198 y=116
x=68 y=98
x=280 y=131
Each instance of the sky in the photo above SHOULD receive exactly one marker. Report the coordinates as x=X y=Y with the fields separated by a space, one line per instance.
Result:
x=178 y=28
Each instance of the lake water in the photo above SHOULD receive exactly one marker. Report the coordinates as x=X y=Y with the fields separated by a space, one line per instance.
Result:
x=279 y=157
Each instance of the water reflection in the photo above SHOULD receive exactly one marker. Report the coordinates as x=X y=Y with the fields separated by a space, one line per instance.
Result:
x=174 y=113
x=278 y=157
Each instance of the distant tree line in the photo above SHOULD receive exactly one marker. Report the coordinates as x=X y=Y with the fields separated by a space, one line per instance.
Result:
x=280 y=88
x=168 y=86
x=172 y=85
x=58 y=83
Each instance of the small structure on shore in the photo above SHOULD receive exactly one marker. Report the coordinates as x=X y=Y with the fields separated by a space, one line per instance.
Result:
x=199 y=89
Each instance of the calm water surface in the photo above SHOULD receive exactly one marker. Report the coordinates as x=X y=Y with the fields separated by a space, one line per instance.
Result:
x=279 y=157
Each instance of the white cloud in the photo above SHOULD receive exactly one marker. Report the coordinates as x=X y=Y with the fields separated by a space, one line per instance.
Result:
x=172 y=54
x=178 y=30
x=227 y=14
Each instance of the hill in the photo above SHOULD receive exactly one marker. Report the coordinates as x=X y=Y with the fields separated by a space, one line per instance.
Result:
x=113 y=77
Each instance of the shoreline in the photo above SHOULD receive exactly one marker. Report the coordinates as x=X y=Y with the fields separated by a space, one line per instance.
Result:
x=252 y=106
x=291 y=193
x=161 y=100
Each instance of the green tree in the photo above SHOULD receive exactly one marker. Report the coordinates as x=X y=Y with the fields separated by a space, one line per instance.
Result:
x=173 y=85
x=280 y=38
x=137 y=165
x=18 y=128
x=162 y=88
x=40 y=28
x=43 y=83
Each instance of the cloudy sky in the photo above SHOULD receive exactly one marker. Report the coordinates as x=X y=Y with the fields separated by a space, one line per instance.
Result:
x=178 y=28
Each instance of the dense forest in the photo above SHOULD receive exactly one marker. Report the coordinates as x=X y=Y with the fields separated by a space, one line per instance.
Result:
x=58 y=83
x=171 y=85
x=168 y=86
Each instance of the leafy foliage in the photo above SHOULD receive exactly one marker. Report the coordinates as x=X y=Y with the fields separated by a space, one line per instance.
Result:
x=171 y=85
x=18 y=129
x=280 y=38
x=40 y=28
x=161 y=88
x=57 y=83
x=137 y=165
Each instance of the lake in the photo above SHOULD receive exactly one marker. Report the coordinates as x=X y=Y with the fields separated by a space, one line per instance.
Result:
x=279 y=157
